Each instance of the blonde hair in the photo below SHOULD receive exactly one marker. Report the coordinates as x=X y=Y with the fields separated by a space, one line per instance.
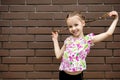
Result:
x=75 y=13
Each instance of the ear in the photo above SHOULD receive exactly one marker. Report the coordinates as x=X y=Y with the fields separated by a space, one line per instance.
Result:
x=83 y=22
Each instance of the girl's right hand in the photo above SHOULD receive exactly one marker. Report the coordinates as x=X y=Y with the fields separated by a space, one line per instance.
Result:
x=54 y=36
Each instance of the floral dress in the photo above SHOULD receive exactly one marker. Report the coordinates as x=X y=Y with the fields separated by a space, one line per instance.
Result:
x=76 y=52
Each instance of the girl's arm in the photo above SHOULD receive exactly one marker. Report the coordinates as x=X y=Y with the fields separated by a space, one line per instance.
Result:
x=109 y=32
x=58 y=51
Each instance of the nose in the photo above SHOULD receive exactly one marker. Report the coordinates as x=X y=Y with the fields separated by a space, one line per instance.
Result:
x=73 y=28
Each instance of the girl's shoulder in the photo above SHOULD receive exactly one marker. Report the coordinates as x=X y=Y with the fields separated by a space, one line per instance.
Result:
x=89 y=36
x=68 y=39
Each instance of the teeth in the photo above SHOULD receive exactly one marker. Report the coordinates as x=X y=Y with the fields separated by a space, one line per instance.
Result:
x=75 y=32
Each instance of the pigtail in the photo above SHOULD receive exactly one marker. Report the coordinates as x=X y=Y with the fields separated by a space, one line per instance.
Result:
x=95 y=19
x=82 y=18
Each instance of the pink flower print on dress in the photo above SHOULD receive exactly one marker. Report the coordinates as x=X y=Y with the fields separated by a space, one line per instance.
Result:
x=66 y=63
x=87 y=50
x=79 y=46
x=73 y=70
x=70 y=58
x=77 y=58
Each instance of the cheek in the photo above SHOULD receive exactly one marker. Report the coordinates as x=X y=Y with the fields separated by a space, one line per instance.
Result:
x=70 y=30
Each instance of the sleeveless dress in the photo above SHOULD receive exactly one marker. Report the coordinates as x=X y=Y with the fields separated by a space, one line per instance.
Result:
x=74 y=57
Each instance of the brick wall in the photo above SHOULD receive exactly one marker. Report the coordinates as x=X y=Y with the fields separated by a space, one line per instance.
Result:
x=26 y=48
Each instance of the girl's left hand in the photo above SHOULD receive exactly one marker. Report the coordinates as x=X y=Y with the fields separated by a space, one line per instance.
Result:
x=113 y=13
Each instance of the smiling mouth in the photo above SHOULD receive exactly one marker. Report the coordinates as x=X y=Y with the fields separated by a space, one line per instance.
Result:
x=75 y=32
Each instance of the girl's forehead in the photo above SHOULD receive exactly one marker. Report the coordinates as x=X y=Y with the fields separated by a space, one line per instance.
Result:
x=74 y=19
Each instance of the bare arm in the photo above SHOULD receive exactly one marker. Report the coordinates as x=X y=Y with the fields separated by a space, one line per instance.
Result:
x=58 y=51
x=109 y=32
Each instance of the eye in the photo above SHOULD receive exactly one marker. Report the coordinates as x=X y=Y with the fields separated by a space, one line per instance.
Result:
x=75 y=24
x=69 y=26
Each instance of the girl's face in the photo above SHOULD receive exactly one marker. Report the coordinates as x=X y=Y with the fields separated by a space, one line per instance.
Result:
x=75 y=25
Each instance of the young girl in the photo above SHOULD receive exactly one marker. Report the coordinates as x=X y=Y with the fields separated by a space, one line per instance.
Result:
x=77 y=46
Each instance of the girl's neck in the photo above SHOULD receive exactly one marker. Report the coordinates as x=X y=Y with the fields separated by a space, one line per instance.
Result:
x=80 y=36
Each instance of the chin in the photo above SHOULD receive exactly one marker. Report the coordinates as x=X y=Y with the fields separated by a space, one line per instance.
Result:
x=76 y=35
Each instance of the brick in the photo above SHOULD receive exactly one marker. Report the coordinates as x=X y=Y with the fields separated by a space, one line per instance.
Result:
x=99 y=8
x=101 y=23
x=22 y=8
x=12 y=2
x=116 y=7
x=13 y=30
x=115 y=75
x=113 y=60
x=100 y=53
x=0 y=75
x=116 y=37
x=111 y=2
x=0 y=45
x=13 y=60
x=14 y=45
x=21 y=68
x=21 y=38
x=94 y=60
x=4 y=52
x=91 y=1
x=40 y=45
x=59 y=16
x=1 y=30
x=99 y=45
x=63 y=37
x=116 y=67
x=13 y=75
x=38 y=2
x=116 y=53
x=37 y=23
x=3 y=8
x=48 y=8
x=39 y=30
x=6 y=30
x=99 y=67
x=46 y=67
x=44 y=53
x=55 y=75
x=81 y=8
x=51 y=23
x=96 y=75
x=21 y=23
x=67 y=2
x=40 y=16
x=43 y=38
x=55 y=61
x=113 y=45
x=4 y=37
x=37 y=75
x=23 y=53
x=3 y=67
x=12 y=16
x=117 y=30
x=94 y=30
x=4 y=23
x=39 y=60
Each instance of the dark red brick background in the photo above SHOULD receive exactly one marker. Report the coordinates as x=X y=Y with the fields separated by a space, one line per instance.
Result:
x=26 y=48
